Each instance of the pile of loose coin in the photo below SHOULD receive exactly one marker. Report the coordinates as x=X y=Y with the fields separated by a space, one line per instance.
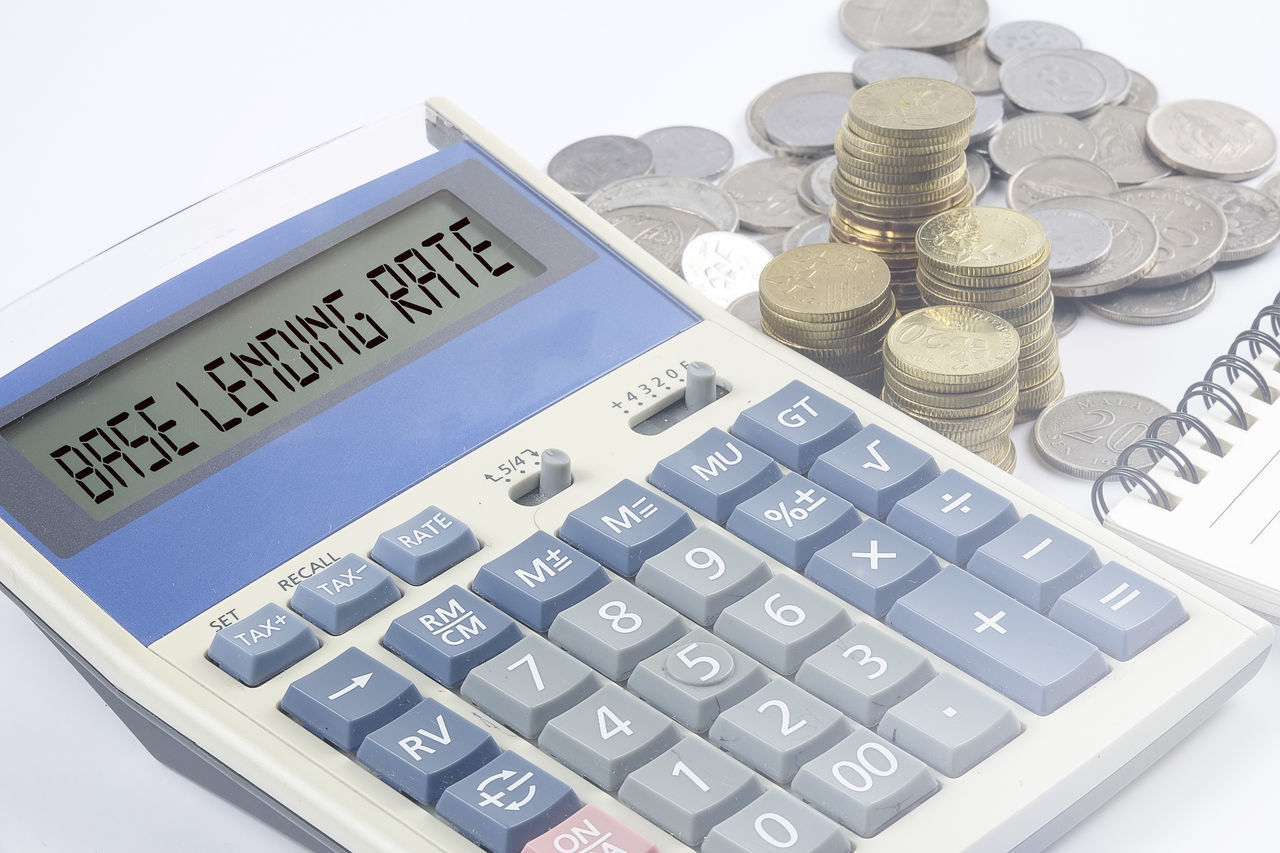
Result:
x=900 y=160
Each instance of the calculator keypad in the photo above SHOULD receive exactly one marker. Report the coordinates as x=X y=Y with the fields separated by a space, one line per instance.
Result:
x=450 y=634
x=792 y=519
x=714 y=474
x=262 y=645
x=526 y=685
x=345 y=594
x=539 y=578
x=795 y=425
x=1119 y=611
x=349 y=697
x=625 y=526
x=424 y=546
x=702 y=574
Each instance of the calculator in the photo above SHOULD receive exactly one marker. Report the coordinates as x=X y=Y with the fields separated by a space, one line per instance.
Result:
x=396 y=496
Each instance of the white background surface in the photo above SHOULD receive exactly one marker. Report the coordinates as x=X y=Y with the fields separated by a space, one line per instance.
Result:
x=116 y=114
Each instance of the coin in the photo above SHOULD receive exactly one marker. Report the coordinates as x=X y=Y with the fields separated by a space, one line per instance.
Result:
x=1192 y=232
x=1156 y=306
x=876 y=65
x=981 y=241
x=911 y=108
x=979 y=172
x=976 y=70
x=1082 y=435
x=1116 y=75
x=947 y=26
x=747 y=309
x=724 y=266
x=1211 y=139
x=661 y=231
x=1065 y=314
x=1253 y=217
x=590 y=164
x=1122 y=145
x=1080 y=240
x=987 y=121
x=814 y=230
x=1016 y=36
x=815 y=185
x=1135 y=245
x=952 y=347
x=807 y=122
x=692 y=195
x=1142 y=93
x=1057 y=177
x=1053 y=81
x=830 y=281
x=693 y=152
x=1271 y=186
x=827 y=82
x=1036 y=136
x=767 y=193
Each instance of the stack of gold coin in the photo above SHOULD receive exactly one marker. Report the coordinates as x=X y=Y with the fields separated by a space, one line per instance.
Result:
x=832 y=303
x=997 y=259
x=900 y=159
x=954 y=368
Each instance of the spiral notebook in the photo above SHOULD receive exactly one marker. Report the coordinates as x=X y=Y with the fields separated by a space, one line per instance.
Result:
x=1211 y=502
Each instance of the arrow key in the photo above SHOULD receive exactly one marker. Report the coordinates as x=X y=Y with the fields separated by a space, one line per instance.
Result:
x=349 y=697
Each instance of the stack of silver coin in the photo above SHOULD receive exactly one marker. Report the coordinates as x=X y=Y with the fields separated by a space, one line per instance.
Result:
x=900 y=160
x=997 y=259
x=832 y=303
x=954 y=368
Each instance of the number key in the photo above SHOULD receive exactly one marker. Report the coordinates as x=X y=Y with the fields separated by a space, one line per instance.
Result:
x=865 y=672
x=777 y=729
x=528 y=684
x=608 y=736
x=616 y=628
x=782 y=623
x=702 y=574
x=696 y=676
x=777 y=821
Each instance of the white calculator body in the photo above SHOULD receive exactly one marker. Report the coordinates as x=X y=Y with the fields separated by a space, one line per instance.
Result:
x=274 y=486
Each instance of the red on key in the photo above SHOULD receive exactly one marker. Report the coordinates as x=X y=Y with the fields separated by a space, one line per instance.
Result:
x=590 y=830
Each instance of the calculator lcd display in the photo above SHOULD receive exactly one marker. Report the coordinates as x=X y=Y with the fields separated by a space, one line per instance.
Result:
x=188 y=397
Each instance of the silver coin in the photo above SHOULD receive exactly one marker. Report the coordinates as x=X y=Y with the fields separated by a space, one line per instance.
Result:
x=701 y=198
x=661 y=231
x=1135 y=243
x=1078 y=240
x=937 y=26
x=1056 y=177
x=827 y=82
x=1016 y=36
x=1082 y=435
x=1035 y=136
x=589 y=164
x=747 y=309
x=767 y=193
x=1142 y=93
x=975 y=69
x=1122 y=145
x=1158 y=306
x=807 y=233
x=1211 y=139
x=693 y=152
x=723 y=266
x=1052 y=81
x=1065 y=314
x=988 y=120
x=876 y=65
x=1112 y=70
x=1271 y=186
x=1192 y=232
x=1253 y=217
x=807 y=122
x=773 y=242
x=815 y=186
x=979 y=172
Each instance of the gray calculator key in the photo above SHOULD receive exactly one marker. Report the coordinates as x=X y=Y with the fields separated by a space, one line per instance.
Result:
x=608 y=736
x=1001 y=642
x=345 y=594
x=1119 y=611
x=782 y=623
x=953 y=516
x=795 y=425
x=528 y=684
x=425 y=545
x=615 y=628
x=776 y=821
x=778 y=728
x=262 y=645
x=625 y=526
x=702 y=574
x=865 y=672
x=689 y=789
x=714 y=474
x=871 y=566
x=865 y=782
x=950 y=725
x=695 y=677
x=792 y=519
x=1034 y=562
x=873 y=470
x=349 y=697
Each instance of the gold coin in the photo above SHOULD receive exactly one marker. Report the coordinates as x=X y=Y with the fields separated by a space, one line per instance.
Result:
x=1032 y=400
x=871 y=144
x=972 y=402
x=824 y=281
x=874 y=175
x=981 y=241
x=913 y=108
x=1003 y=455
x=953 y=347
